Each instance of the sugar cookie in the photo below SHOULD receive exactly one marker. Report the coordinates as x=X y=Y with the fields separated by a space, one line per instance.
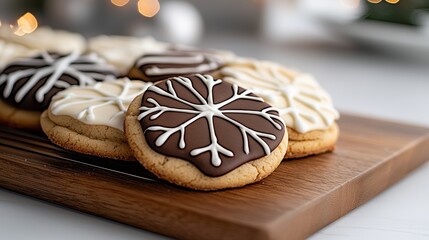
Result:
x=122 y=51
x=160 y=66
x=90 y=119
x=28 y=84
x=47 y=39
x=304 y=105
x=205 y=134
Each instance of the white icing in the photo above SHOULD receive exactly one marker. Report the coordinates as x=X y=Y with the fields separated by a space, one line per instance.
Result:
x=54 y=68
x=154 y=71
x=302 y=102
x=11 y=51
x=104 y=103
x=122 y=51
x=47 y=39
x=194 y=59
x=207 y=109
x=178 y=63
x=220 y=55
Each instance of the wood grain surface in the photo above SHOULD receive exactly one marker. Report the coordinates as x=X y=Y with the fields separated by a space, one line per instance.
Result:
x=299 y=198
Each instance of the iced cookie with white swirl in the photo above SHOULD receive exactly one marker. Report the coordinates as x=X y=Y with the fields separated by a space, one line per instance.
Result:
x=10 y=51
x=204 y=133
x=221 y=55
x=47 y=39
x=160 y=66
x=304 y=105
x=122 y=51
x=90 y=119
x=27 y=85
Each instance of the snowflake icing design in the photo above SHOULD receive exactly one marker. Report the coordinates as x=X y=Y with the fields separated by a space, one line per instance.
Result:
x=268 y=81
x=99 y=99
x=206 y=108
x=47 y=65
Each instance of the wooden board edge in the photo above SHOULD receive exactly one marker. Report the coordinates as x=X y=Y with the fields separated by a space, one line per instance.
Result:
x=317 y=215
x=374 y=118
x=162 y=218
x=415 y=154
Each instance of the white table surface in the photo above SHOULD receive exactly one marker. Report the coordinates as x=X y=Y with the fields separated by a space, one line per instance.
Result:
x=391 y=87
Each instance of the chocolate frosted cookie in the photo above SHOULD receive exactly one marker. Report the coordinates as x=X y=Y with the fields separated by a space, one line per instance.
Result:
x=28 y=84
x=205 y=134
x=304 y=105
x=160 y=66
x=90 y=119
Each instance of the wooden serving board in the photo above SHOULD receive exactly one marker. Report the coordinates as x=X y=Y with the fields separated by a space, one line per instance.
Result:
x=299 y=198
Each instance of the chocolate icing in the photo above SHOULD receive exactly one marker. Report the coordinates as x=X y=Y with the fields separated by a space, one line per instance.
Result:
x=159 y=66
x=52 y=71
x=173 y=102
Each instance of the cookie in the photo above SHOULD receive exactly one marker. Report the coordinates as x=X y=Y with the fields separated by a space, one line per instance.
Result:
x=28 y=84
x=304 y=105
x=221 y=55
x=90 y=119
x=122 y=51
x=47 y=39
x=205 y=134
x=11 y=51
x=160 y=66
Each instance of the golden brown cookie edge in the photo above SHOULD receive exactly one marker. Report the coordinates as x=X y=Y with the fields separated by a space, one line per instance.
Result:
x=17 y=118
x=71 y=140
x=184 y=173
x=313 y=142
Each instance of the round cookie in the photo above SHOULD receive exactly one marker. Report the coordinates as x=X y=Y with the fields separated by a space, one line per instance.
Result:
x=205 y=134
x=47 y=39
x=11 y=51
x=221 y=55
x=17 y=118
x=122 y=51
x=90 y=119
x=28 y=84
x=304 y=105
x=160 y=66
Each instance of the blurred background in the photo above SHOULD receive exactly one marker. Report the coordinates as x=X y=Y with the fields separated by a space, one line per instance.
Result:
x=187 y=21
x=371 y=55
x=367 y=53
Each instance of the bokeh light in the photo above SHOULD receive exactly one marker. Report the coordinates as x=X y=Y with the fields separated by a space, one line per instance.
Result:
x=120 y=3
x=374 y=1
x=148 y=8
x=27 y=23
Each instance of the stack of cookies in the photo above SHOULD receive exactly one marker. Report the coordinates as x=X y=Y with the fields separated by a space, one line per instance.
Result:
x=202 y=119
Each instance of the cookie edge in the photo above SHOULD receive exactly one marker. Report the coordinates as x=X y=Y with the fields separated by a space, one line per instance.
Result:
x=184 y=173
x=302 y=147
x=63 y=136
x=18 y=118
